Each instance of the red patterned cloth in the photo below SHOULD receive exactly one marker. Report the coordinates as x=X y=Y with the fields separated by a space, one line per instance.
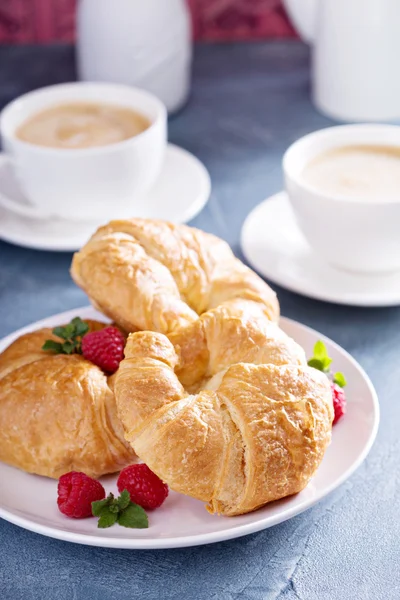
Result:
x=36 y=21
x=43 y=21
x=239 y=19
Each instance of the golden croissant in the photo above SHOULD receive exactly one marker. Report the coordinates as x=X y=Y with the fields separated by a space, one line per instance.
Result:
x=153 y=275
x=247 y=421
x=58 y=412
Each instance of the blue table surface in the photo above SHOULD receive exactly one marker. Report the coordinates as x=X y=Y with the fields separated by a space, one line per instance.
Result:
x=248 y=103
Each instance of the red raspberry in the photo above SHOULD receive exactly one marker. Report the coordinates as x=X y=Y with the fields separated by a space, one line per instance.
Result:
x=76 y=492
x=339 y=402
x=104 y=348
x=145 y=488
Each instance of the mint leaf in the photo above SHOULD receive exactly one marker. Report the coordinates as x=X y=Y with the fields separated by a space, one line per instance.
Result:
x=340 y=379
x=68 y=347
x=72 y=334
x=121 y=510
x=316 y=363
x=53 y=346
x=60 y=332
x=321 y=359
x=320 y=351
x=107 y=519
x=326 y=364
x=65 y=333
x=80 y=326
x=69 y=331
x=124 y=499
x=99 y=505
x=133 y=516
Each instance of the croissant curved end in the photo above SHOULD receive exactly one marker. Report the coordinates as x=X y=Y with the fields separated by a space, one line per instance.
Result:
x=157 y=276
x=251 y=434
x=58 y=412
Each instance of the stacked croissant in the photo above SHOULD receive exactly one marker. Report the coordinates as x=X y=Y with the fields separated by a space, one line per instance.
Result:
x=214 y=397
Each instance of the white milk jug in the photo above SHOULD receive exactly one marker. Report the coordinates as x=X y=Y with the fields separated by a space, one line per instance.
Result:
x=356 y=47
x=145 y=43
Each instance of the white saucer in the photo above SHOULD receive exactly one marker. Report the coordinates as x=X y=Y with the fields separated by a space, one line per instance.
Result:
x=273 y=244
x=179 y=194
x=30 y=501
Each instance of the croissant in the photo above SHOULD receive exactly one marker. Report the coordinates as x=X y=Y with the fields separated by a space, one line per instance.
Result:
x=58 y=412
x=153 y=275
x=236 y=331
x=248 y=424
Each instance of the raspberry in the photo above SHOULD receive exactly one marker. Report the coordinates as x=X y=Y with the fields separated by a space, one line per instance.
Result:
x=104 y=348
x=339 y=402
x=76 y=492
x=145 y=488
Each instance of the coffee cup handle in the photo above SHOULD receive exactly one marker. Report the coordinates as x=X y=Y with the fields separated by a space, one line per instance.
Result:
x=20 y=208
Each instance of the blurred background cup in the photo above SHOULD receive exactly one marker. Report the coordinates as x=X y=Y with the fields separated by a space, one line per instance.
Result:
x=351 y=234
x=91 y=184
x=145 y=43
x=355 y=49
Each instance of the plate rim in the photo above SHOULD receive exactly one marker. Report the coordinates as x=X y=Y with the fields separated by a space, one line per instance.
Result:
x=211 y=537
x=352 y=299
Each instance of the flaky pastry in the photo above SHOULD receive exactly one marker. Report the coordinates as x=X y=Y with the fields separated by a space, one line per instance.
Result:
x=154 y=275
x=58 y=412
x=248 y=424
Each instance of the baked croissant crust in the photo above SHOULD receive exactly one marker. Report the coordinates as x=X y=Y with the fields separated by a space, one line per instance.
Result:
x=153 y=275
x=257 y=426
x=58 y=412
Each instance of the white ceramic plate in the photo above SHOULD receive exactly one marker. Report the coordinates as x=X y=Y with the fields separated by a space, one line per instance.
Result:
x=179 y=194
x=30 y=501
x=273 y=244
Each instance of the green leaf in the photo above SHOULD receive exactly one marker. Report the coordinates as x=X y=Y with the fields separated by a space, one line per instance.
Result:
x=68 y=347
x=107 y=518
x=133 y=516
x=72 y=334
x=326 y=364
x=316 y=363
x=99 y=505
x=114 y=508
x=320 y=351
x=60 y=332
x=69 y=331
x=80 y=326
x=321 y=359
x=53 y=346
x=124 y=499
x=340 y=379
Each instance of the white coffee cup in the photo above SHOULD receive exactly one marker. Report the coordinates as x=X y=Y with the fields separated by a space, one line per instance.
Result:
x=90 y=184
x=359 y=236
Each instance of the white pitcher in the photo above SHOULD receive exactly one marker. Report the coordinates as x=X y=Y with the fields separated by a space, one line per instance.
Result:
x=145 y=43
x=356 y=50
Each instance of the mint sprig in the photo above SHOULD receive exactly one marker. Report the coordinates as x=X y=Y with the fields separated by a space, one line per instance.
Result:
x=119 y=510
x=133 y=516
x=322 y=362
x=71 y=336
x=321 y=359
x=339 y=379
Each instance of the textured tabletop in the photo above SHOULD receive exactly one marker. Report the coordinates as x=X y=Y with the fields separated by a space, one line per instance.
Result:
x=248 y=103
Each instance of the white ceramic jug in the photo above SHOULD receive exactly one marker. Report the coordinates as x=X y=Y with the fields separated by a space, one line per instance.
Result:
x=145 y=43
x=356 y=48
